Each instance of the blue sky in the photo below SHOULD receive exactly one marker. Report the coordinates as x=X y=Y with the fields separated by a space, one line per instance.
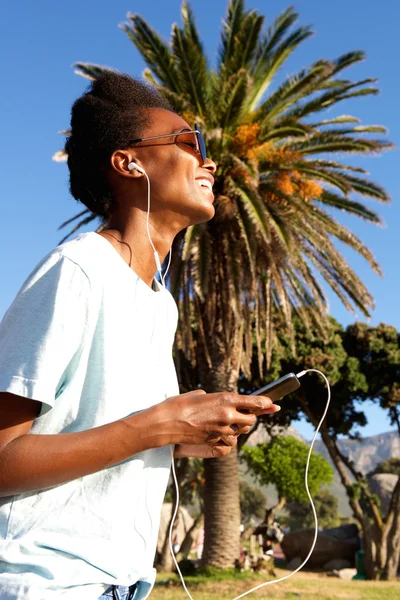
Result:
x=39 y=42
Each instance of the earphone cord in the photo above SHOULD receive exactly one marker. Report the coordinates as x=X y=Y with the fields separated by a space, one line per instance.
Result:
x=156 y=256
x=307 y=490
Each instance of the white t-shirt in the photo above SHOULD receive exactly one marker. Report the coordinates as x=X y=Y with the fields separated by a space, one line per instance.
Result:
x=90 y=340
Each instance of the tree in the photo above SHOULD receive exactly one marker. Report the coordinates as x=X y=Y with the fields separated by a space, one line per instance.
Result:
x=299 y=514
x=282 y=462
x=246 y=272
x=361 y=363
x=252 y=502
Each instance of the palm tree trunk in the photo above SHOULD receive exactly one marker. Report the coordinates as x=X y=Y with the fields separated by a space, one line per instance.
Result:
x=219 y=371
x=221 y=512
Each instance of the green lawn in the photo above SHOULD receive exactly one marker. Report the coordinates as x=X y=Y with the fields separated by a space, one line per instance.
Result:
x=307 y=586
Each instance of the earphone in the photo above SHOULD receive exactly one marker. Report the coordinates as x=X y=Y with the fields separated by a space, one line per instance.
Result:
x=135 y=167
x=132 y=166
x=273 y=581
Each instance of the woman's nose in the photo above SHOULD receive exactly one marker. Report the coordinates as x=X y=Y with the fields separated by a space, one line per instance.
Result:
x=210 y=165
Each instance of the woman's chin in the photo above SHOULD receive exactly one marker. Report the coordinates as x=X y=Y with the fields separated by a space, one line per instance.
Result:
x=202 y=213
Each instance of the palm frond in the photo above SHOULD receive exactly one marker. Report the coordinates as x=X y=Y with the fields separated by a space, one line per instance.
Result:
x=349 y=206
x=189 y=26
x=154 y=50
x=74 y=218
x=253 y=205
x=336 y=120
x=179 y=103
x=192 y=66
x=292 y=90
x=202 y=259
x=288 y=131
x=91 y=217
x=320 y=144
x=346 y=60
x=319 y=221
x=331 y=164
x=356 y=129
x=89 y=70
x=275 y=34
x=231 y=105
x=244 y=45
x=191 y=235
x=366 y=187
x=333 y=96
x=270 y=60
x=230 y=29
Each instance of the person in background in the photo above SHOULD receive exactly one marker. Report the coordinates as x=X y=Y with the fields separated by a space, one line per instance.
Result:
x=200 y=544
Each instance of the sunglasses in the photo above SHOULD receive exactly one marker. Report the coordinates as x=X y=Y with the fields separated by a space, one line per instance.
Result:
x=193 y=138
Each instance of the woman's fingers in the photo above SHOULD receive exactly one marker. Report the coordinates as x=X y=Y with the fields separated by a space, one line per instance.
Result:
x=198 y=392
x=271 y=410
x=220 y=451
x=257 y=405
x=243 y=420
x=223 y=436
x=252 y=403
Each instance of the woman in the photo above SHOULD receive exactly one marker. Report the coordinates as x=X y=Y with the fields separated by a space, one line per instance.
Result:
x=89 y=403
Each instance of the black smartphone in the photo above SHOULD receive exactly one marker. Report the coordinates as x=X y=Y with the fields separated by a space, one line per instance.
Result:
x=279 y=388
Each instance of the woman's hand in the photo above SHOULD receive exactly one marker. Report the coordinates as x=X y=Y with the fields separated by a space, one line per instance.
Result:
x=204 y=450
x=197 y=418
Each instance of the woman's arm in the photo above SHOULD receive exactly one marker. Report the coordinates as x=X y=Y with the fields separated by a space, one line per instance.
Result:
x=32 y=462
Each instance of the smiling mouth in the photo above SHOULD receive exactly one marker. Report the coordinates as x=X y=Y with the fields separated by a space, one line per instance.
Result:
x=204 y=183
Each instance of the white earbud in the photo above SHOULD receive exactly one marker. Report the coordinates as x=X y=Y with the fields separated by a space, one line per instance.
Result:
x=131 y=167
x=134 y=167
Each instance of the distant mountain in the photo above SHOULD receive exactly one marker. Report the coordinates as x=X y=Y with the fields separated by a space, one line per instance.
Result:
x=368 y=452
x=366 y=455
x=260 y=436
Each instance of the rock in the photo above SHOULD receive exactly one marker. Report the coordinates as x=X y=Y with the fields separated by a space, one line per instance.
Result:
x=383 y=484
x=338 y=543
x=336 y=564
x=294 y=563
x=344 y=532
x=347 y=574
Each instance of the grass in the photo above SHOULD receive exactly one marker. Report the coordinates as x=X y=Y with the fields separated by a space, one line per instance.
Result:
x=307 y=586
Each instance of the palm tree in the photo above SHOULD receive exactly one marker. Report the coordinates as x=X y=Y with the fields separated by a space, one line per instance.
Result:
x=272 y=242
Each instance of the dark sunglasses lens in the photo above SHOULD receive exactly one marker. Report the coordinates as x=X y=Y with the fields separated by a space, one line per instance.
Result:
x=202 y=144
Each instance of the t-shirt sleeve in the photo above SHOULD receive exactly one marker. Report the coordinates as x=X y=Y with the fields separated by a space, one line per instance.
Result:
x=42 y=332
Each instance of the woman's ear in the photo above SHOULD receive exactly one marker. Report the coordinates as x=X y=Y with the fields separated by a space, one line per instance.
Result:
x=125 y=164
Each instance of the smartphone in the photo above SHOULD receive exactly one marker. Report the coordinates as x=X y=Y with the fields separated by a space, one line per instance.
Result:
x=279 y=388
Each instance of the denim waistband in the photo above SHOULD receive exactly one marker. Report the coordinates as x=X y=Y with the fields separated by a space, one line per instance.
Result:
x=117 y=592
